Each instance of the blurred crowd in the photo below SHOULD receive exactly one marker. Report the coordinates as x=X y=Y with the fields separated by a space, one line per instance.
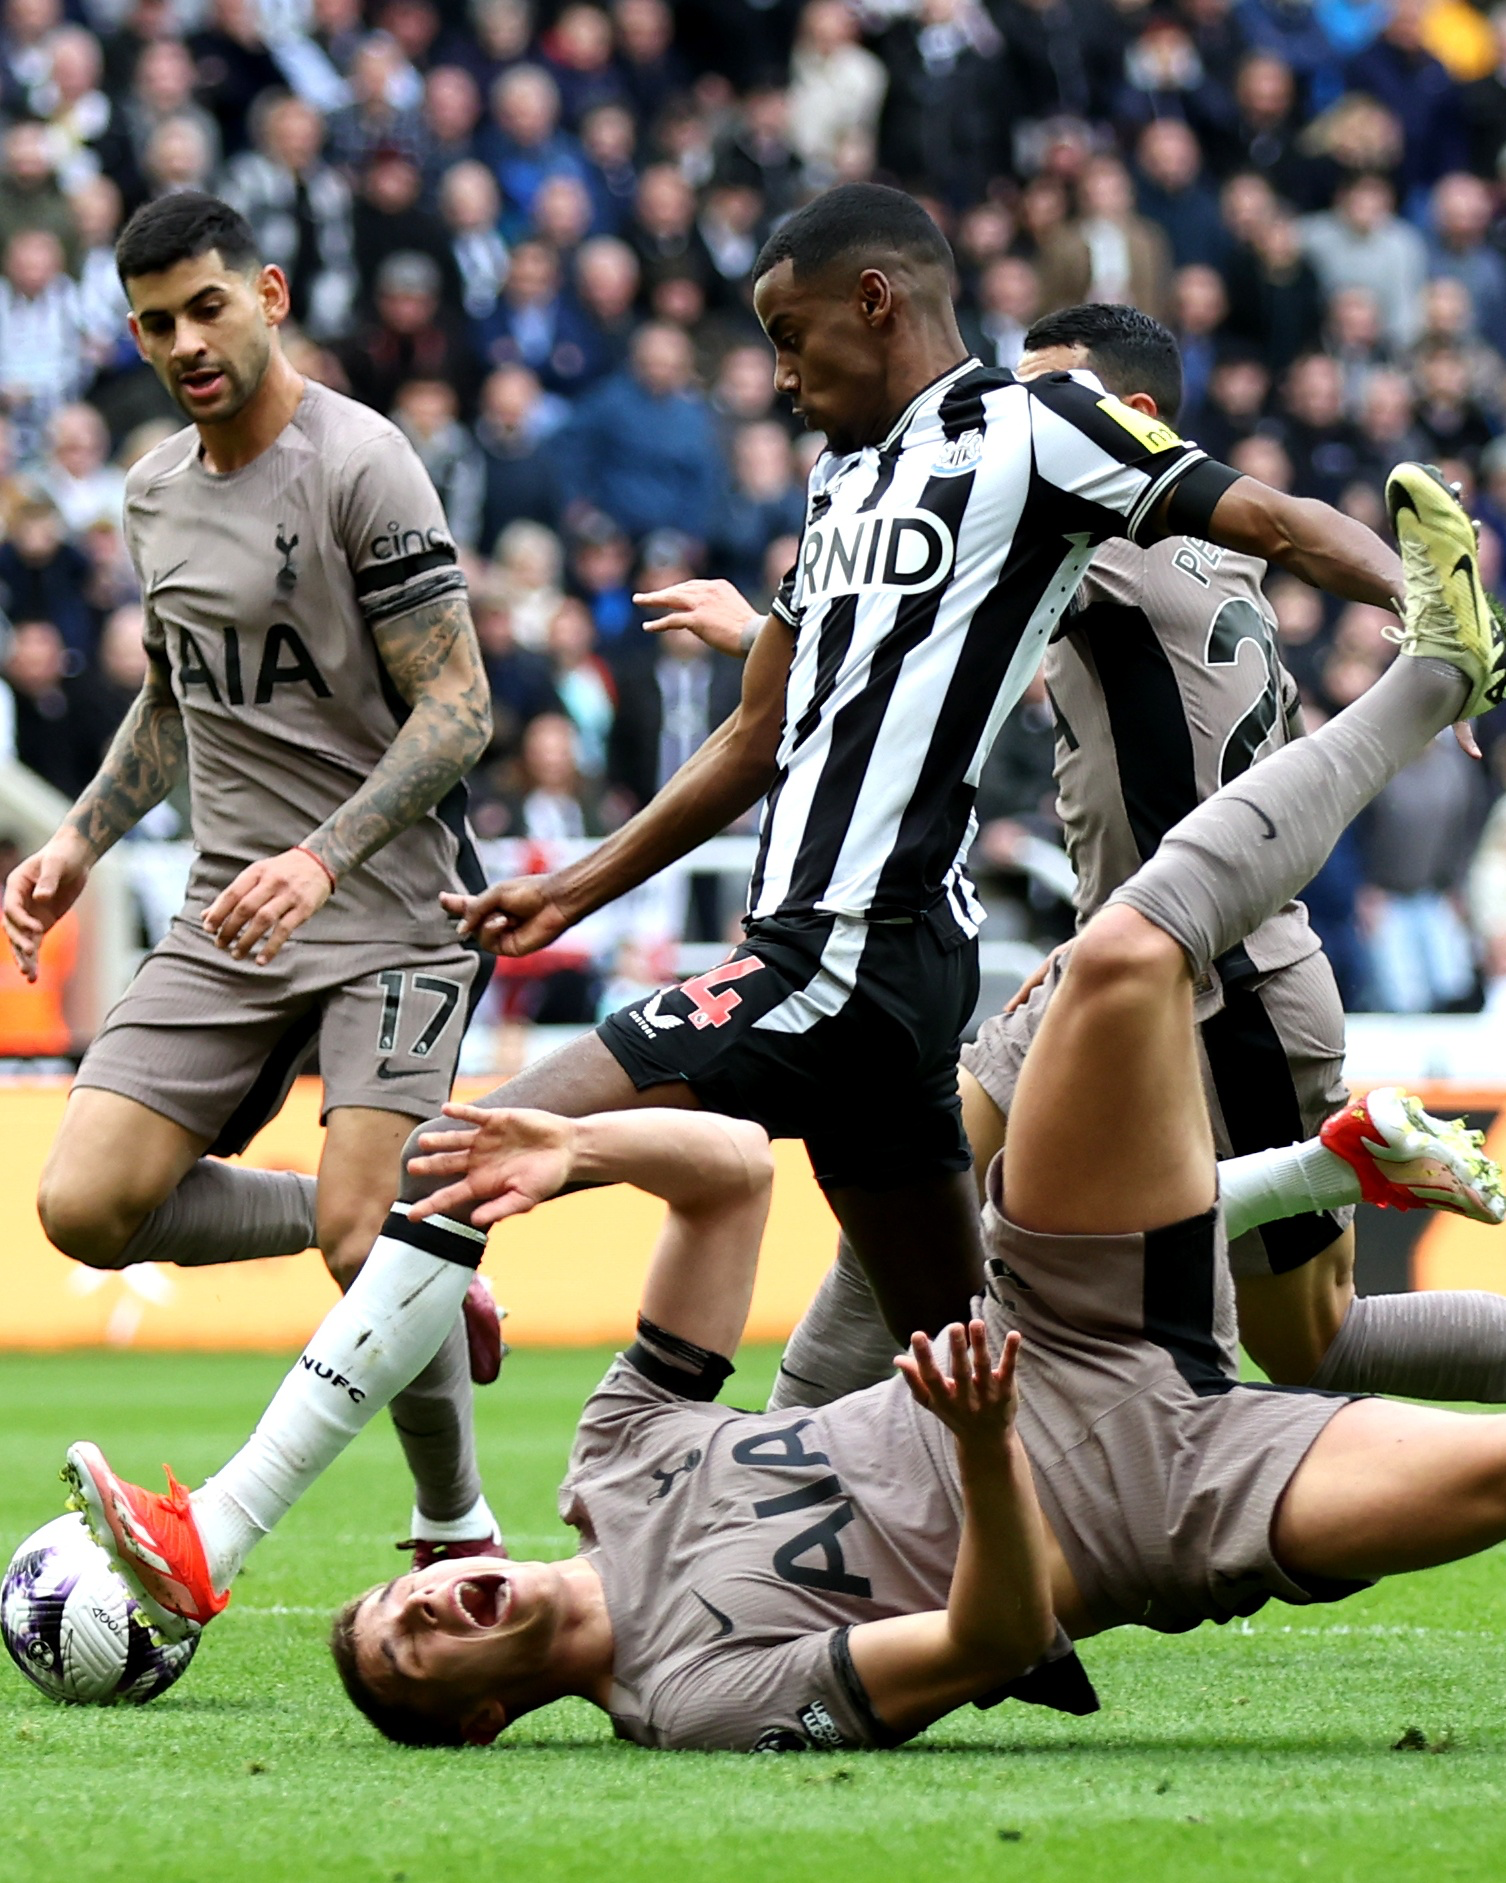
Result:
x=526 y=232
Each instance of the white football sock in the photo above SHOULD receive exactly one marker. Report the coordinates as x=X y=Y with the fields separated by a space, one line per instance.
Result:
x=477 y=1521
x=1289 y=1180
x=366 y=1349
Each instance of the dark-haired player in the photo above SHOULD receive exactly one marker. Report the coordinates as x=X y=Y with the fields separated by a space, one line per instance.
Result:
x=948 y=524
x=1166 y=684
x=315 y=673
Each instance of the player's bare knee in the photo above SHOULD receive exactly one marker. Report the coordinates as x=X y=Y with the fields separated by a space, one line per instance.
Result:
x=81 y=1226
x=1121 y=952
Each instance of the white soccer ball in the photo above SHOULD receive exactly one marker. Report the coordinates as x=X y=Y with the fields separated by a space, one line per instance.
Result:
x=76 y=1630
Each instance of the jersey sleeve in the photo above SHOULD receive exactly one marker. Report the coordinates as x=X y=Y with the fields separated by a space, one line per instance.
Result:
x=783 y=1696
x=1113 y=467
x=783 y=604
x=396 y=540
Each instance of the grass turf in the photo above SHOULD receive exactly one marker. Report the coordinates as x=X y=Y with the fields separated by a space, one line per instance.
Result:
x=1261 y=1751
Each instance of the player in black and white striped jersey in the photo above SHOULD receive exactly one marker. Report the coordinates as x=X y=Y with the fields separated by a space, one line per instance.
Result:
x=949 y=522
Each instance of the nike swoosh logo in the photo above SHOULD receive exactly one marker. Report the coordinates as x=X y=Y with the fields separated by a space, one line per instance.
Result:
x=166 y=575
x=384 y=1071
x=726 y=1621
x=1270 y=828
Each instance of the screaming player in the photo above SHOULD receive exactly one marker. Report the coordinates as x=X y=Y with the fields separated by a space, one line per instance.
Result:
x=314 y=672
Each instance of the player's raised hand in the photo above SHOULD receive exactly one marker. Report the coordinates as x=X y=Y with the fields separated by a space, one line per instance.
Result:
x=715 y=612
x=503 y=1162
x=266 y=902
x=978 y=1402
x=512 y=918
x=39 y=892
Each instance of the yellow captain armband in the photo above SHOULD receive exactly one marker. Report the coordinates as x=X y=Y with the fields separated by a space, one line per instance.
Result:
x=1154 y=433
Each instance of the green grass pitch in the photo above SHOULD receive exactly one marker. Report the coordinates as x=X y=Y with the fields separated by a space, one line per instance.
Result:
x=1260 y=1752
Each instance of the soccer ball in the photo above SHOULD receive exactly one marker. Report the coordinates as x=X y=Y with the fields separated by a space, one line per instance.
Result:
x=76 y=1631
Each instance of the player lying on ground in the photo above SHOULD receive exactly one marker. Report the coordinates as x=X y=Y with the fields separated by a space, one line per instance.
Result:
x=1110 y=1264
x=314 y=672
x=948 y=524
x=1166 y=683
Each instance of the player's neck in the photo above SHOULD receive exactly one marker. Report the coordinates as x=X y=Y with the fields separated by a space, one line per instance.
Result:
x=258 y=424
x=919 y=361
x=581 y=1661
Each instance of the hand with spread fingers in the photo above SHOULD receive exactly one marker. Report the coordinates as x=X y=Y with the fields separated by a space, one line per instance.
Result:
x=978 y=1402
x=503 y=1162
x=266 y=903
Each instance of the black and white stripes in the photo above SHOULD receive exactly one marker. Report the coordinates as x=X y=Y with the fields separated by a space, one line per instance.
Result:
x=931 y=573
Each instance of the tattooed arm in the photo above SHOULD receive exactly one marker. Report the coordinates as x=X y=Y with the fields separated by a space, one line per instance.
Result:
x=434 y=661
x=142 y=765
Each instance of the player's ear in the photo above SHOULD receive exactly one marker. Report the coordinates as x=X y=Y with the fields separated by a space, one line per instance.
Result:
x=485 y=1723
x=135 y=328
x=274 y=294
x=1141 y=402
x=875 y=295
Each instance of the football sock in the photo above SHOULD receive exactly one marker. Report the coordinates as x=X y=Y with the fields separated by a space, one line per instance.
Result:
x=842 y=1343
x=227 y=1213
x=1245 y=851
x=477 y=1521
x=1288 y=1180
x=375 y=1339
x=1443 y=1345
x=434 y=1423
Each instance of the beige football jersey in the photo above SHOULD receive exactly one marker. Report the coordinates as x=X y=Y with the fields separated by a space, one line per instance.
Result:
x=1165 y=684
x=261 y=590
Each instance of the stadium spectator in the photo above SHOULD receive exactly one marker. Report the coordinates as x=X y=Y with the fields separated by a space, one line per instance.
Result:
x=121 y=663
x=523 y=144
x=162 y=92
x=1448 y=417
x=472 y=211
x=941 y=126
x=1483 y=106
x=232 y=69
x=642 y=446
x=1200 y=306
x=1009 y=298
x=1275 y=300
x=1399 y=72
x=1362 y=243
x=837 y=87
x=412 y=337
x=522 y=687
x=1323 y=445
x=43 y=577
x=1109 y=253
x=518 y=472
x=536 y=324
x=528 y=573
x=654 y=71
x=584 y=683
x=609 y=140
x=42 y=363
x=601 y=568
x=580 y=55
x=30 y=196
x=1462 y=211
x=77 y=477
x=1174 y=194
x=382 y=114
x=300 y=209
x=764 y=499
x=87 y=135
x=606 y=287
x=60 y=729
x=389 y=219
x=427 y=413
x=452 y=111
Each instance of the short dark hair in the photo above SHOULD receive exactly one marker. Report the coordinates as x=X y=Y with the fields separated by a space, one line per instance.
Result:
x=180 y=228
x=849 y=219
x=403 y=1724
x=1128 y=350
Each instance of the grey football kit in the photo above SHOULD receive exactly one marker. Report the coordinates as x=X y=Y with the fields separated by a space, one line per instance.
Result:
x=737 y=1550
x=1166 y=684
x=931 y=572
x=262 y=587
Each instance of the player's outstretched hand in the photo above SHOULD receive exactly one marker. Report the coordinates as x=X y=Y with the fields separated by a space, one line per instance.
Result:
x=39 y=892
x=503 y=1162
x=517 y=917
x=715 y=612
x=266 y=902
x=978 y=1403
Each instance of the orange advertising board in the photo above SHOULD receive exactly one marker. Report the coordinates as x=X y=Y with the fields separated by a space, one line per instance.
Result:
x=569 y=1273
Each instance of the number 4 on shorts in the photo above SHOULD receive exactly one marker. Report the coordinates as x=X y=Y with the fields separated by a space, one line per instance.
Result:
x=713 y=1008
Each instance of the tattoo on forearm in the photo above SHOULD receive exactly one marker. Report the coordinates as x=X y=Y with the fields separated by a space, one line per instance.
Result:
x=144 y=762
x=435 y=663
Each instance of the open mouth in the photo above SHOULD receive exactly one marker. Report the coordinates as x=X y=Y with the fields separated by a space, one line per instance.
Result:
x=203 y=383
x=483 y=1599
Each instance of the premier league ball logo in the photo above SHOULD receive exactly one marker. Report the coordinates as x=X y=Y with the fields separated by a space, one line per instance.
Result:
x=76 y=1631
